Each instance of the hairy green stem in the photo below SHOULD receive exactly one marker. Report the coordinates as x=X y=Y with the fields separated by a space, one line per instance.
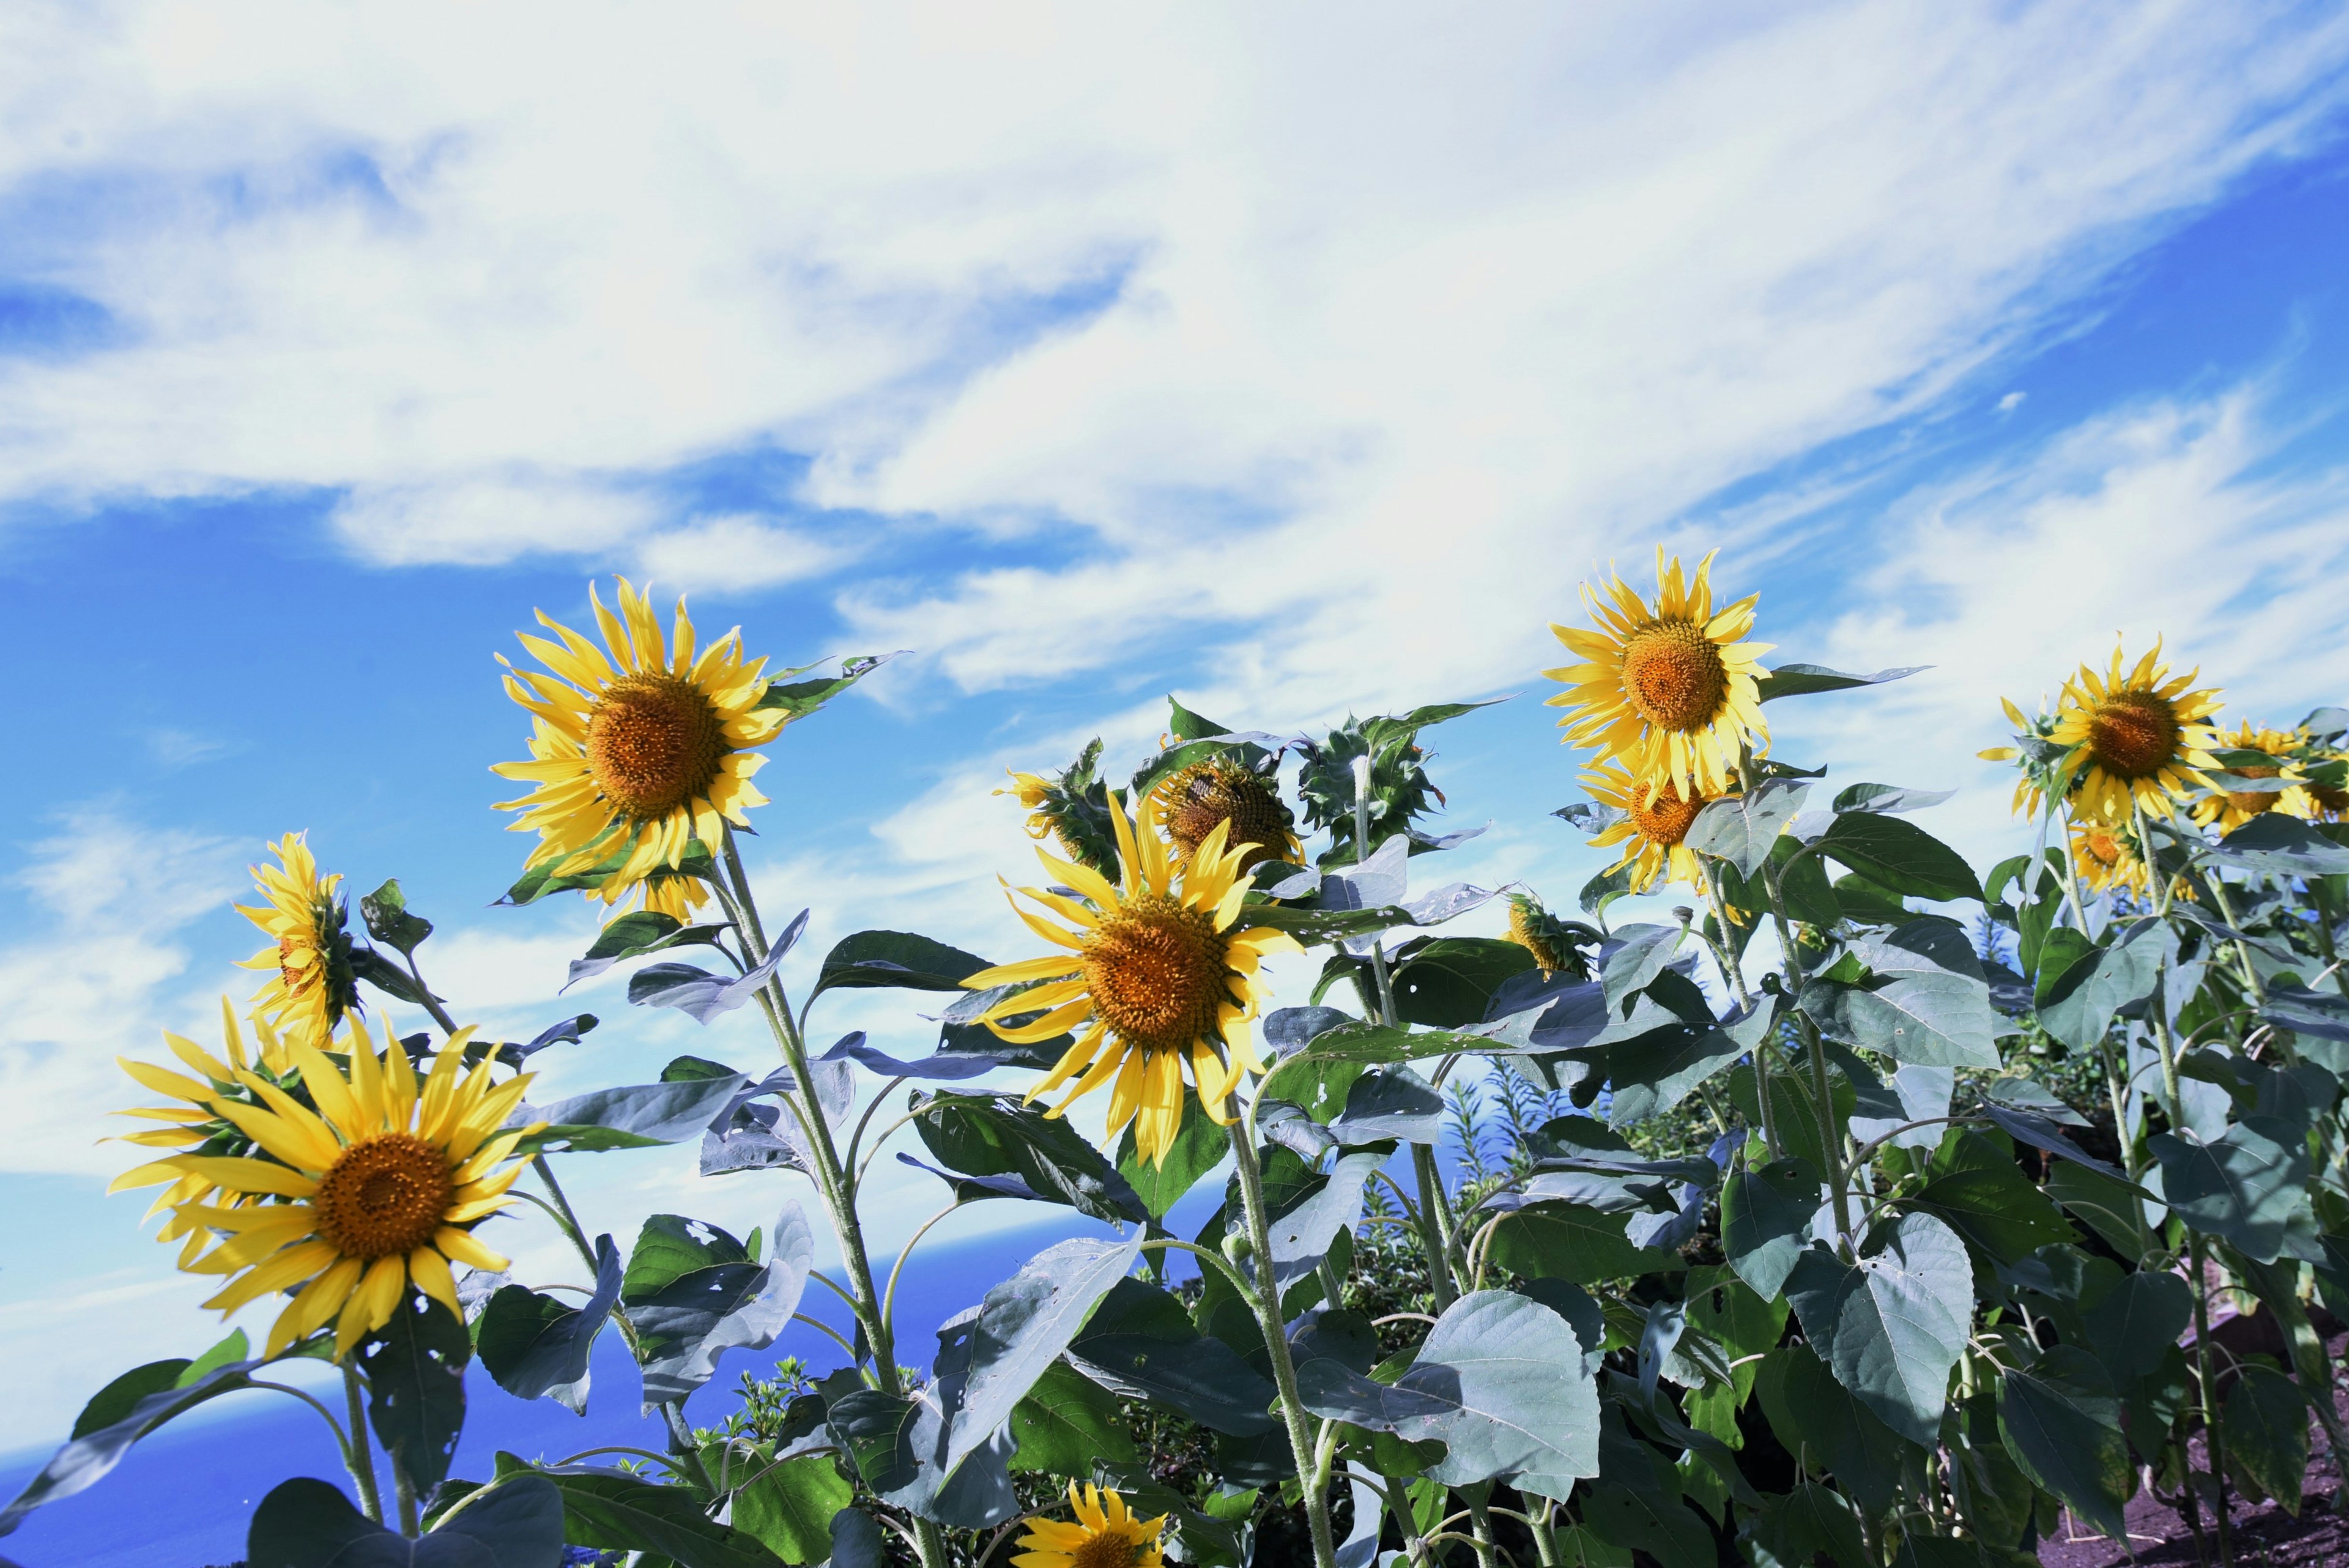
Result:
x=356 y=1453
x=1266 y=1299
x=404 y=1489
x=1830 y=1135
x=2207 y=1387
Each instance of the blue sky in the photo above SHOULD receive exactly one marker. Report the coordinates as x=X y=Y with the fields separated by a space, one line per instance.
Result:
x=1294 y=364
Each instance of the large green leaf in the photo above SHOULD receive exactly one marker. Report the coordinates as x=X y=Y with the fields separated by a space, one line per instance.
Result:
x=2078 y=1005
x=2062 y=1425
x=1024 y=1324
x=798 y=699
x=1977 y=1187
x=1664 y=1528
x=788 y=1508
x=1742 y=829
x=692 y=1292
x=2138 y=1322
x=1763 y=1212
x=390 y=921
x=1791 y=1106
x=1198 y=1148
x=1816 y=1419
x=636 y=1115
x=1891 y=1327
x=1811 y=1519
x=2108 y=1207
x=1802 y=680
x=1066 y=1422
x=2275 y=844
x=1899 y=855
x=415 y=1372
x=614 y=1510
x=895 y=959
x=305 y=1523
x=2266 y=1424
x=1140 y=1342
x=1573 y=1243
x=2247 y=1186
x=1650 y=1075
x=537 y=1346
x=1449 y=981
x=636 y=933
x=1925 y=999
x=994 y=1135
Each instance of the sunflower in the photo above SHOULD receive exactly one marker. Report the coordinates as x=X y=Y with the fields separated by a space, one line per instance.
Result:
x=1669 y=691
x=2033 y=754
x=1654 y=829
x=2134 y=736
x=2230 y=809
x=1152 y=974
x=382 y=1184
x=637 y=748
x=1550 y=940
x=311 y=983
x=2107 y=859
x=1221 y=792
x=194 y=1125
x=1105 y=1535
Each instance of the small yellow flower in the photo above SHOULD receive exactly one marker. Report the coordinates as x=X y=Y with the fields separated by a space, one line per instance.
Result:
x=379 y=1182
x=310 y=984
x=1153 y=976
x=639 y=747
x=1669 y=691
x=1105 y=1535
x=2232 y=808
x=2134 y=735
x=2039 y=775
x=1653 y=829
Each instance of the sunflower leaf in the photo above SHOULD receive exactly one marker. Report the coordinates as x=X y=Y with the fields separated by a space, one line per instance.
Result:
x=1802 y=680
x=1899 y=855
x=638 y=1115
x=1024 y=1324
x=537 y=1346
x=798 y=699
x=692 y=1293
x=306 y=1523
x=610 y=1509
x=643 y=931
x=901 y=959
x=2078 y=1004
x=1742 y=829
x=415 y=1372
x=389 y=921
x=994 y=1135
x=2277 y=844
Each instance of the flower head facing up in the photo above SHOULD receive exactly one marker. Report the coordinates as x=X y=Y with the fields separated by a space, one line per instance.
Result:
x=1220 y=791
x=1105 y=1534
x=2134 y=735
x=369 y=1191
x=310 y=984
x=639 y=746
x=1653 y=830
x=2231 y=809
x=1151 y=977
x=1667 y=690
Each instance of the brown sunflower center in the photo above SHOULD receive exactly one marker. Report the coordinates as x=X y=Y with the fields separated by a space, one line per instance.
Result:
x=296 y=977
x=1675 y=675
x=1108 y=1549
x=2102 y=849
x=2335 y=801
x=386 y=1195
x=2252 y=801
x=1206 y=794
x=653 y=743
x=1665 y=820
x=2134 y=734
x=1155 y=971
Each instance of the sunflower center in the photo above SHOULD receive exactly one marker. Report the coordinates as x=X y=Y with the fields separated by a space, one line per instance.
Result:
x=1665 y=820
x=296 y=976
x=2104 y=848
x=384 y=1195
x=1675 y=675
x=653 y=743
x=2252 y=801
x=1155 y=971
x=1106 y=1550
x=2134 y=734
x=1206 y=793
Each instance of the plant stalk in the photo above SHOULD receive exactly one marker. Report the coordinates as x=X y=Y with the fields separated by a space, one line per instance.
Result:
x=2206 y=1384
x=1266 y=1301
x=356 y=1453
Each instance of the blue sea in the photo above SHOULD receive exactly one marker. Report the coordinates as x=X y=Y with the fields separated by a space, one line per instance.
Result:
x=182 y=1498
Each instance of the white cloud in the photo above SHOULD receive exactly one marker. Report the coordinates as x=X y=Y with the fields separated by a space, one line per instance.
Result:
x=736 y=554
x=482 y=522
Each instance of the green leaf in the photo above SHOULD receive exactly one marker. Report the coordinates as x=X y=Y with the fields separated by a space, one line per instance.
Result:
x=1891 y=1327
x=1140 y=1342
x=2107 y=1207
x=637 y=1115
x=1449 y=981
x=1365 y=1042
x=1802 y=680
x=901 y=959
x=540 y=881
x=1764 y=1211
x=612 y=1510
x=388 y=920
x=798 y=699
x=1065 y=1423
x=537 y=1346
x=875 y=1429
x=2133 y=1328
x=2246 y=1186
x=1864 y=903
x=370 y=965
x=2275 y=844
x=788 y=1508
x=1816 y=1419
x=108 y=1429
x=306 y=1523
x=1791 y=1106
x=2266 y=1424
x=1664 y=1528
x=1648 y=1076
x=1808 y=1521
x=118 y=1398
x=1572 y=1242
x=415 y=1372
x=2062 y=1425
x=1198 y=1148
x=1024 y=1324
x=1899 y=855
x=994 y=1135
x=1977 y=1188
x=1925 y=999
x=2077 y=1006
x=642 y=932
x=692 y=1292
x=1743 y=829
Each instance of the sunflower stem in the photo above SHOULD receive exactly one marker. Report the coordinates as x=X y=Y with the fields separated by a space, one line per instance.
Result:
x=2207 y=1387
x=1721 y=950
x=404 y=1490
x=1822 y=1087
x=356 y=1453
x=1266 y=1299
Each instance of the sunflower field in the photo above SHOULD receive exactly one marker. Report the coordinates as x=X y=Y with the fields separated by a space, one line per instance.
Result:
x=1876 y=1209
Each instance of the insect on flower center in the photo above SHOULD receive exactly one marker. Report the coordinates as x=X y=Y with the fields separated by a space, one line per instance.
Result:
x=2134 y=734
x=1155 y=971
x=2252 y=801
x=384 y=1195
x=1675 y=675
x=1665 y=820
x=1110 y=1549
x=1208 y=793
x=653 y=743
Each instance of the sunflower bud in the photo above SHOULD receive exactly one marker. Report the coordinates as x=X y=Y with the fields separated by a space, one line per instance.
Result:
x=1220 y=789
